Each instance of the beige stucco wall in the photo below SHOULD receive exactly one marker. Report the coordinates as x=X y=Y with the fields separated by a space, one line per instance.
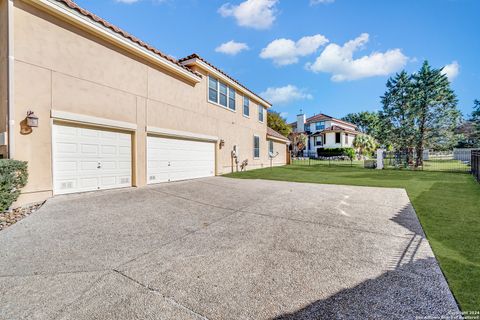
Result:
x=60 y=67
x=3 y=73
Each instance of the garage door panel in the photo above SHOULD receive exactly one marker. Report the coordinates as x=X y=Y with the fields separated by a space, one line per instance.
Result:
x=176 y=159
x=89 y=159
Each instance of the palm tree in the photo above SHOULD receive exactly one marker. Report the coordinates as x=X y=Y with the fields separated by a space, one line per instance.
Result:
x=365 y=144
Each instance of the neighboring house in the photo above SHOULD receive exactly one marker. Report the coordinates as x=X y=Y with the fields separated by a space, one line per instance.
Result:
x=112 y=110
x=323 y=131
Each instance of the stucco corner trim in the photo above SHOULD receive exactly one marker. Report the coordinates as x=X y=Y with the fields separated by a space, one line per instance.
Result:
x=180 y=134
x=81 y=118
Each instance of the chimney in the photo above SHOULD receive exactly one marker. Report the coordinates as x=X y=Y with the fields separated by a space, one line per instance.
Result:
x=301 y=118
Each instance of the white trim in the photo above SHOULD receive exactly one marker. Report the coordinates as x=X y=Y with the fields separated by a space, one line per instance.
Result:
x=10 y=83
x=115 y=38
x=269 y=137
x=180 y=134
x=226 y=79
x=81 y=118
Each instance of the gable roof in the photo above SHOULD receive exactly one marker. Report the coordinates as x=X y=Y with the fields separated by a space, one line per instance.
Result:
x=196 y=56
x=274 y=134
x=96 y=19
x=322 y=117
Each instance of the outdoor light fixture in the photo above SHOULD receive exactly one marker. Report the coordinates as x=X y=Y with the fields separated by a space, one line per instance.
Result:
x=221 y=144
x=32 y=119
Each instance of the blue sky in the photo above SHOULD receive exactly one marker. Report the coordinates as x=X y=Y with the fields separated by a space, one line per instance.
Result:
x=329 y=56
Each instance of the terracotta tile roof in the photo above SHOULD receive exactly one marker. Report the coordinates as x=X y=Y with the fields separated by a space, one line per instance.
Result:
x=338 y=128
x=273 y=133
x=117 y=30
x=321 y=117
x=196 y=56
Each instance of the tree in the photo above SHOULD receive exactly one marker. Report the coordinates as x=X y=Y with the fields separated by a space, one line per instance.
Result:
x=469 y=130
x=365 y=144
x=419 y=111
x=366 y=121
x=299 y=142
x=278 y=123
x=434 y=106
x=396 y=120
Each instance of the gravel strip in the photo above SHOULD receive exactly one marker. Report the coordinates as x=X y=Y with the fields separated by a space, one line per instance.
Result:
x=8 y=218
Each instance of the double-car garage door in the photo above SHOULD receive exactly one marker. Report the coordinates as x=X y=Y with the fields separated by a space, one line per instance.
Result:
x=87 y=159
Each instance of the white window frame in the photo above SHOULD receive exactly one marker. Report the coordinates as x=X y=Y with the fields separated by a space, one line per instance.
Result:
x=254 y=149
x=229 y=90
x=271 y=147
x=247 y=99
x=261 y=111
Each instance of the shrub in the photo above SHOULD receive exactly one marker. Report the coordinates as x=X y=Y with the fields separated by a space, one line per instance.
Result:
x=336 y=152
x=13 y=177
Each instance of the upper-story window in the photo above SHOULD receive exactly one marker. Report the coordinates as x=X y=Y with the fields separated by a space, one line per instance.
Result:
x=260 y=113
x=220 y=93
x=246 y=106
x=320 y=125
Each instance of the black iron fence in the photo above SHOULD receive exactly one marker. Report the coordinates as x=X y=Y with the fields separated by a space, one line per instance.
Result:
x=314 y=159
x=475 y=162
x=450 y=161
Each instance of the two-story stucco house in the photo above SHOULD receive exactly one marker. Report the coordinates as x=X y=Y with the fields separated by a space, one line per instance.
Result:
x=113 y=111
x=323 y=131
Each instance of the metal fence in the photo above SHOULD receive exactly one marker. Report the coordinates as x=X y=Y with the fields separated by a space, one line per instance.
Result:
x=449 y=161
x=313 y=159
x=475 y=162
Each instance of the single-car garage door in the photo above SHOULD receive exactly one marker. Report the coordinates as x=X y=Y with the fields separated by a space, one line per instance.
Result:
x=86 y=159
x=177 y=159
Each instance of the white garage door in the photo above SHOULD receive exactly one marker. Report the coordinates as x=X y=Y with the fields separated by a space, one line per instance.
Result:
x=176 y=159
x=89 y=159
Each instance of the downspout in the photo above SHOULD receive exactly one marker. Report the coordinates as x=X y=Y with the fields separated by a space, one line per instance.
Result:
x=10 y=66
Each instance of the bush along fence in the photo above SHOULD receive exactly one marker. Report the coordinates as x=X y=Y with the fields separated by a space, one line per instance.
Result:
x=328 y=157
x=13 y=177
x=475 y=160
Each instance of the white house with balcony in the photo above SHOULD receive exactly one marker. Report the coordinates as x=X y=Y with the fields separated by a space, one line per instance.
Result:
x=325 y=132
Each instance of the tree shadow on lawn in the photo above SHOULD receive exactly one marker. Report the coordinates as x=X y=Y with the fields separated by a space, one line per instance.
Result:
x=413 y=287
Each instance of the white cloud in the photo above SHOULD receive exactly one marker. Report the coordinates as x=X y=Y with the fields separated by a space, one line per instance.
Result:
x=451 y=70
x=284 y=95
x=257 y=14
x=232 y=48
x=315 y=2
x=285 y=51
x=339 y=61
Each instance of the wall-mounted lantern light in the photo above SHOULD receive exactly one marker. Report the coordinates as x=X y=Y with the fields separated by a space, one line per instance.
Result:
x=221 y=143
x=32 y=119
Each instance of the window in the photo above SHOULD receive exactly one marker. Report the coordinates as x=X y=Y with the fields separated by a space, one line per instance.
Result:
x=256 y=146
x=220 y=93
x=318 y=141
x=213 y=89
x=260 y=113
x=246 y=106
x=337 y=137
x=346 y=138
x=223 y=94
x=231 y=98
x=270 y=147
x=320 y=125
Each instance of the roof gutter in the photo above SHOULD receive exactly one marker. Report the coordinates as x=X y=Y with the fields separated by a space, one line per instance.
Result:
x=10 y=82
x=65 y=14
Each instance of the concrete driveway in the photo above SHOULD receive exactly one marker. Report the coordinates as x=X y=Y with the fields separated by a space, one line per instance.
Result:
x=222 y=248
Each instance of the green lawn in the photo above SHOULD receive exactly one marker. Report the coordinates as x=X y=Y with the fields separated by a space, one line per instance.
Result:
x=447 y=204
